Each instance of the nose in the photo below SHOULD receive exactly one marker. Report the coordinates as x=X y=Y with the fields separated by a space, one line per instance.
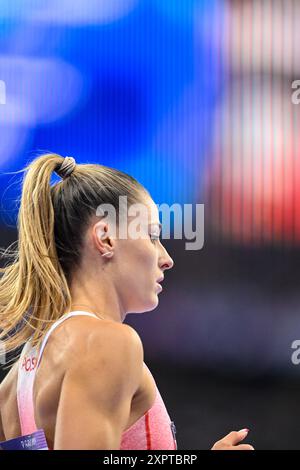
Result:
x=166 y=262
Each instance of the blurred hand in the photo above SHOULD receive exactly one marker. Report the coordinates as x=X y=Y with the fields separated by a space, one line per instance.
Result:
x=231 y=441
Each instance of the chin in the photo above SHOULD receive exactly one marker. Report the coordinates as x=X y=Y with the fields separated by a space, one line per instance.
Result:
x=152 y=305
x=147 y=307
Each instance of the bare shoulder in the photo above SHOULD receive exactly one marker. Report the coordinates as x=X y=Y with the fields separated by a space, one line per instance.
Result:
x=87 y=334
x=90 y=344
x=100 y=365
x=105 y=372
x=81 y=336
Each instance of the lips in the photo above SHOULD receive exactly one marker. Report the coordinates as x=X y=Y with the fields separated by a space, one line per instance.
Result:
x=160 y=279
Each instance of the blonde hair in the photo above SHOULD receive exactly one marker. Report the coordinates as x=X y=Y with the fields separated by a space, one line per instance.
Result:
x=52 y=221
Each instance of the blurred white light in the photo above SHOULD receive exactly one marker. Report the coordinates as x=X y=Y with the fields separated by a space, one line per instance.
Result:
x=67 y=11
x=2 y=92
x=38 y=91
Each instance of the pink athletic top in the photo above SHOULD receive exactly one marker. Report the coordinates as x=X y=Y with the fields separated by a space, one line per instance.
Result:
x=154 y=430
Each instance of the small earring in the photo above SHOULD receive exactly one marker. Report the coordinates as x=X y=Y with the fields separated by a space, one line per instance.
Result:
x=108 y=253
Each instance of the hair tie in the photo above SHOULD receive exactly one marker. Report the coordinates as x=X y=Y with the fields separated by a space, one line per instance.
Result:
x=66 y=168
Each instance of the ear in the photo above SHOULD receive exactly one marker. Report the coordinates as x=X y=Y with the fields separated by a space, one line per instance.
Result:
x=102 y=240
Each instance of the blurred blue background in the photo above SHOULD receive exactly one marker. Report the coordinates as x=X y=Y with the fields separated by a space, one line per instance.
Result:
x=193 y=98
x=110 y=82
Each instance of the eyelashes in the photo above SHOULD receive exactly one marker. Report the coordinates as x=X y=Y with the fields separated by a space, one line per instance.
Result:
x=154 y=238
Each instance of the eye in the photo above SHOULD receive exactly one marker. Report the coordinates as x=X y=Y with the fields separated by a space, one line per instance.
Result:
x=154 y=237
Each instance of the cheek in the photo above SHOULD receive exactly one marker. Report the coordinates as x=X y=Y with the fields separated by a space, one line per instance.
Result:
x=143 y=264
x=148 y=256
x=139 y=264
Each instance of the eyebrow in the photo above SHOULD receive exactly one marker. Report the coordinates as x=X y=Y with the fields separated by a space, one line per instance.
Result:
x=158 y=224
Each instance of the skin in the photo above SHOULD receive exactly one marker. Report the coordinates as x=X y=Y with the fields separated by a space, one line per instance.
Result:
x=135 y=266
x=83 y=350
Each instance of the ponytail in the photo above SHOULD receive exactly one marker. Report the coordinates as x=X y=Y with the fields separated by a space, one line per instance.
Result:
x=33 y=289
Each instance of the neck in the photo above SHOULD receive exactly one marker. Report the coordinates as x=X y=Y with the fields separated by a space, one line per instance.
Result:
x=98 y=298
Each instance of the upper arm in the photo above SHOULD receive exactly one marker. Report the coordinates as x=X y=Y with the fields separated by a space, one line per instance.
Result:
x=97 y=390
